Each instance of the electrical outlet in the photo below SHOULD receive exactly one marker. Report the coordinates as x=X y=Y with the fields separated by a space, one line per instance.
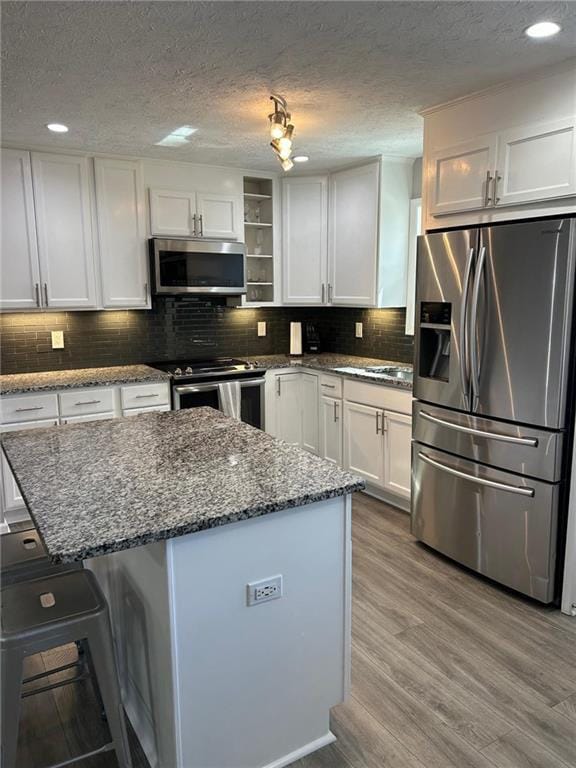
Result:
x=264 y=590
x=359 y=330
x=57 y=339
x=262 y=328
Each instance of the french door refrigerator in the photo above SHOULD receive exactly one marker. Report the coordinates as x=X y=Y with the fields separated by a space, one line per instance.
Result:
x=492 y=382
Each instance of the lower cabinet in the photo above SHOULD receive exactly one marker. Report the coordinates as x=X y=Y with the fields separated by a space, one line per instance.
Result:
x=287 y=408
x=397 y=450
x=331 y=429
x=363 y=443
x=309 y=385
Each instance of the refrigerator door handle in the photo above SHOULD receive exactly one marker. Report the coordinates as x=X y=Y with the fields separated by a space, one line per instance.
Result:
x=531 y=442
x=464 y=338
x=479 y=480
x=474 y=352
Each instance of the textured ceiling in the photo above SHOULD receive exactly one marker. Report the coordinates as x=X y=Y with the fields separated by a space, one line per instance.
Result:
x=122 y=75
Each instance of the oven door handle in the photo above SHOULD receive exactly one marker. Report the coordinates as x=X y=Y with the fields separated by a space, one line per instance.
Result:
x=187 y=389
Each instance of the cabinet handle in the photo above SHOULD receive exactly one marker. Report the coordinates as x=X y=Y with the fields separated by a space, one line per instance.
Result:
x=88 y=402
x=201 y=226
x=35 y=408
x=323 y=293
x=37 y=289
x=330 y=386
x=335 y=411
x=152 y=394
x=46 y=294
x=329 y=293
x=496 y=179
x=487 y=189
x=377 y=422
x=194 y=233
x=278 y=386
x=384 y=423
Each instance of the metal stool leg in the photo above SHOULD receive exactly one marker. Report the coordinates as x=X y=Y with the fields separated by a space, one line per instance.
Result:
x=11 y=683
x=102 y=657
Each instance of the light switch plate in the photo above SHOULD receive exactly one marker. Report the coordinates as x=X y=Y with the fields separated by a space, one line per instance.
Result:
x=359 y=330
x=57 y=339
x=262 y=328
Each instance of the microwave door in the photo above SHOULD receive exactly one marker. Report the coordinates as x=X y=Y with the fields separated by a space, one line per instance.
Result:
x=445 y=272
x=521 y=319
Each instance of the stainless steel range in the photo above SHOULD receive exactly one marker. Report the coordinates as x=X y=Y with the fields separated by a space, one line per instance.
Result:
x=235 y=387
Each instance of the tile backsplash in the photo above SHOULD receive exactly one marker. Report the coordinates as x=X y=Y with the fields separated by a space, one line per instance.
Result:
x=182 y=327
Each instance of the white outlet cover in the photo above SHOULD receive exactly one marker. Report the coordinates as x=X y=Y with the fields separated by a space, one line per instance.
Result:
x=57 y=339
x=359 y=330
x=264 y=590
x=262 y=328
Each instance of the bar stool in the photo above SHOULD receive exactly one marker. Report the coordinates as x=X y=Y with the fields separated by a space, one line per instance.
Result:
x=44 y=613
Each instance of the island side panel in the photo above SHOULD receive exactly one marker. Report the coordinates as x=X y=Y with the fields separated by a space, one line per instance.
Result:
x=254 y=684
x=136 y=585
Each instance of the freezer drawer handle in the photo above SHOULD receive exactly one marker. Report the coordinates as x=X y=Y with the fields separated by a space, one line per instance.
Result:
x=478 y=480
x=532 y=442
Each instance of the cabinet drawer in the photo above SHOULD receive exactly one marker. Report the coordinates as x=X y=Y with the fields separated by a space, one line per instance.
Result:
x=144 y=395
x=85 y=401
x=138 y=411
x=378 y=396
x=88 y=417
x=28 y=408
x=330 y=386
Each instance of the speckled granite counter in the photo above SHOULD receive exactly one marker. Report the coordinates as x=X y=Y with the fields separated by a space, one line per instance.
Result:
x=45 y=381
x=104 y=486
x=330 y=363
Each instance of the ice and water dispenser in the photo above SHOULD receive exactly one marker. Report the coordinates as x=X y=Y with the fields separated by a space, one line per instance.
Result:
x=435 y=319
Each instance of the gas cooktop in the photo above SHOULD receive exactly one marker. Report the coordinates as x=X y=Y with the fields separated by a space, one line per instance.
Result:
x=199 y=368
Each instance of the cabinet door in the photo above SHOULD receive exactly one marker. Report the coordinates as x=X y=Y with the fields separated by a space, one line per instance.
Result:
x=64 y=221
x=537 y=162
x=331 y=429
x=460 y=176
x=363 y=442
x=288 y=408
x=397 y=453
x=172 y=213
x=310 y=433
x=12 y=498
x=218 y=216
x=122 y=233
x=19 y=272
x=305 y=240
x=353 y=236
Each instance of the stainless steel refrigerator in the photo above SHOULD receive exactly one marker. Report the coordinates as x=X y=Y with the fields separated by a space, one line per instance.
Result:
x=492 y=382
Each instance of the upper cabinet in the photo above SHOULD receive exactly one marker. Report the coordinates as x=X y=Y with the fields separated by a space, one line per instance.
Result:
x=122 y=233
x=19 y=268
x=305 y=240
x=352 y=251
x=63 y=202
x=491 y=157
x=195 y=214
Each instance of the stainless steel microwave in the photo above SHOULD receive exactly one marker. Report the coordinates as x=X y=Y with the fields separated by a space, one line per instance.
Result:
x=181 y=266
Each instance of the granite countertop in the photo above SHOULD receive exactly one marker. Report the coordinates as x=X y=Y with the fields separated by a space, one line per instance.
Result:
x=330 y=362
x=45 y=381
x=104 y=486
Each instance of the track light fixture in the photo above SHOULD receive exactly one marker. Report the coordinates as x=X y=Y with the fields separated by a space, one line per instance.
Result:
x=281 y=131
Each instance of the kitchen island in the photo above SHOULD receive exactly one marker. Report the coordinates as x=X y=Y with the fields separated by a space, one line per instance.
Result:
x=182 y=515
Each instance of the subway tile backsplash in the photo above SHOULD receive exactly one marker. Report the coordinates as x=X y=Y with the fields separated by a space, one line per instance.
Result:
x=182 y=327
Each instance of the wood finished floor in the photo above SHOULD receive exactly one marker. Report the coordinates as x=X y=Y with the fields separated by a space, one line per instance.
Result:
x=448 y=671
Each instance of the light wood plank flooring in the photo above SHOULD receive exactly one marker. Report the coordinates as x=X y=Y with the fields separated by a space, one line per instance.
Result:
x=448 y=671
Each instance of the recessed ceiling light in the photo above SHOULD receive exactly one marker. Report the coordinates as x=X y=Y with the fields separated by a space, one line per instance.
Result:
x=543 y=29
x=301 y=159
x=57 y=128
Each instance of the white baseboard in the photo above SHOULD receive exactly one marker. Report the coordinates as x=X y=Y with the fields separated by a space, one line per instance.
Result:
x=307 y=749
x=388 y=498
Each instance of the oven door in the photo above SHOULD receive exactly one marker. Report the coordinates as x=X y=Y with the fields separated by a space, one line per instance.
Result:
x=208 y=394
x=196 y=267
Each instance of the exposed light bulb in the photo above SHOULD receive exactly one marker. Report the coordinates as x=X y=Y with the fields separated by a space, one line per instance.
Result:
x=277 y=125
x=285 y=143
x=286 y=164
x=57 y=128
x=301 y=158
x=543 y=29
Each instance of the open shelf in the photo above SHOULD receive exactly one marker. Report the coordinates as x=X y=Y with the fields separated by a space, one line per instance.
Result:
x=259 y=235
x=254 y=196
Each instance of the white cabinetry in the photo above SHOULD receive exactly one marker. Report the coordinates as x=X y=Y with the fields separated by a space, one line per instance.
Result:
x=363 y=443
x=305 y=239
x=63 y=202
x=331 y=429
x=19 y=269
x=309 y=385
x=122 y=233
x=194 y=214
x=397 y=449
x=287 y=408
x=504 y=154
